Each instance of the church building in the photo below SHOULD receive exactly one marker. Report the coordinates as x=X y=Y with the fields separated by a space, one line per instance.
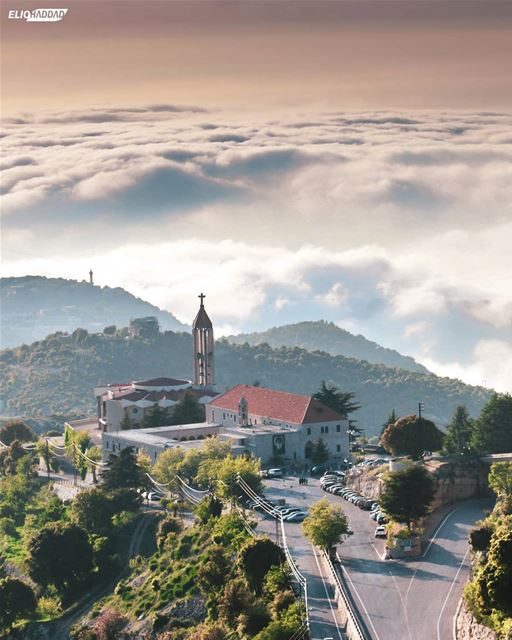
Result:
x=275 y=426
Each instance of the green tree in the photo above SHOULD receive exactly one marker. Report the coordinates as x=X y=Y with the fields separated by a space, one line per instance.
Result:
x=480 y=537
x=123 y=471
x=492 y=432
x=11 y=457
x=256 y=557
x=320 y=452
x=412 y=436
x=155 y=416
x=495 y=579
x=187 y=410
x=126 y=422
x=458 y=434
x=500 y=478
x=17 y=600
x=326 y=525
x=407 y=494
x=339 y=401
x=214 y=572
x=94 y=454
x=16 y=430
x=235 y=599
x=93 y=510
x=110 y=330
x=60 y=554
x=209 y=507
x=225 y=473
x=168 y=465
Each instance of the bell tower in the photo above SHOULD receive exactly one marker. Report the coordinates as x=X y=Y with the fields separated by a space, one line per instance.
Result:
x=202 y=343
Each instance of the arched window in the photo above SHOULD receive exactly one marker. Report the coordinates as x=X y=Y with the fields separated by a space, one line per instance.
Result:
x=308 y=450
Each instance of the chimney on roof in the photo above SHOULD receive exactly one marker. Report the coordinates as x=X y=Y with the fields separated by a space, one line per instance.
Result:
x=90 y=277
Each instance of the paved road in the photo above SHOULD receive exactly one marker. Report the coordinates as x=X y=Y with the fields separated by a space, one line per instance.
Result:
x=400 y=600
x=323 y=614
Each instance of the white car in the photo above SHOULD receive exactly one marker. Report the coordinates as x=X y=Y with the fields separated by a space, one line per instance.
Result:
x=275 y=473
x=380 y=532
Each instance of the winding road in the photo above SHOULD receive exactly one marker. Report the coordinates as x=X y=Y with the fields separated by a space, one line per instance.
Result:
x=398 y=600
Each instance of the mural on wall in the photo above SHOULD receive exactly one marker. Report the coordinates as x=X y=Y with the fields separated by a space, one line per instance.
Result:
x=278 y=445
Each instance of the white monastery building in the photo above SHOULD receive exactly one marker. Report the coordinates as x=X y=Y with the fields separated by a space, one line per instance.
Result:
x=262 y=423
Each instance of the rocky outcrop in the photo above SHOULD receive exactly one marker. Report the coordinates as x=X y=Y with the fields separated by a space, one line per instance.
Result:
x=467 y=628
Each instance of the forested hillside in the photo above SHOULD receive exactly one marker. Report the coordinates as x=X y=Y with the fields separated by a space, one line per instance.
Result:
x=328 y=337
x=57 y=375
x=34 y=306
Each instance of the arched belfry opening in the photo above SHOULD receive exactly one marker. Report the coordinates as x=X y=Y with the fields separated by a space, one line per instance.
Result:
x=202 y=342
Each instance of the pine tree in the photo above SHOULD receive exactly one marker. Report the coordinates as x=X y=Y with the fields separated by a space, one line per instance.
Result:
x=320 y=452
x=156 y=416
x=392 y=418
x=126 y=422
x=492 y=432
x=187 y=411
x=458 y=435
x=336 y=399
x=123 y=471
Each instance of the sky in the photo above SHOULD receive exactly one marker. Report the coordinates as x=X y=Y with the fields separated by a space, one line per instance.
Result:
x=350 y=161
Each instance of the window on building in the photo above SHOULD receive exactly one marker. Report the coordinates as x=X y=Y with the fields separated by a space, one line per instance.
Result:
x=135 y=410
x=338 y=448
x=326 y=429
x=212 y=415
x=338 y=428
x=155 y=455
x=107 y=444
x=308 y=431
x=223 y=416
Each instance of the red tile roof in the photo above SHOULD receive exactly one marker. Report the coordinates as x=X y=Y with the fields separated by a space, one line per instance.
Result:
x=277 y=405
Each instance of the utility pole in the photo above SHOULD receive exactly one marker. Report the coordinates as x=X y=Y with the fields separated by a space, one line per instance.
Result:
x=47 y=460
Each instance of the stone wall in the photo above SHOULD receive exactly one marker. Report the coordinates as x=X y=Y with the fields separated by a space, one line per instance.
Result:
x=455 y=481
x=467 y=628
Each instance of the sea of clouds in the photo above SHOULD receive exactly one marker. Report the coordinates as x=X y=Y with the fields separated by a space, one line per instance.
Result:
x=394 y=225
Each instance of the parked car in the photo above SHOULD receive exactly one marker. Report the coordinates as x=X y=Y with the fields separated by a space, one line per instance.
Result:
x=380 y=532
x=264 y=473
x=382 y=519
x=287 y=512
x=374 y=515
x=298 y=516
x=275 y=473
x=317 y=470
x=366 y=505
x=337 y=491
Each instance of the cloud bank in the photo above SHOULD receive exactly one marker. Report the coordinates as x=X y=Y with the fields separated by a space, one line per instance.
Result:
x=394 y=225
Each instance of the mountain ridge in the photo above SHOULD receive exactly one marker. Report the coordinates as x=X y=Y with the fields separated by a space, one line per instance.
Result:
x=321 y=335
x=57 y=375
x=36 y=306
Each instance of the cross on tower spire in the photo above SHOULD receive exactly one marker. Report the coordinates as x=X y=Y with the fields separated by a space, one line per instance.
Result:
x=203 y=344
